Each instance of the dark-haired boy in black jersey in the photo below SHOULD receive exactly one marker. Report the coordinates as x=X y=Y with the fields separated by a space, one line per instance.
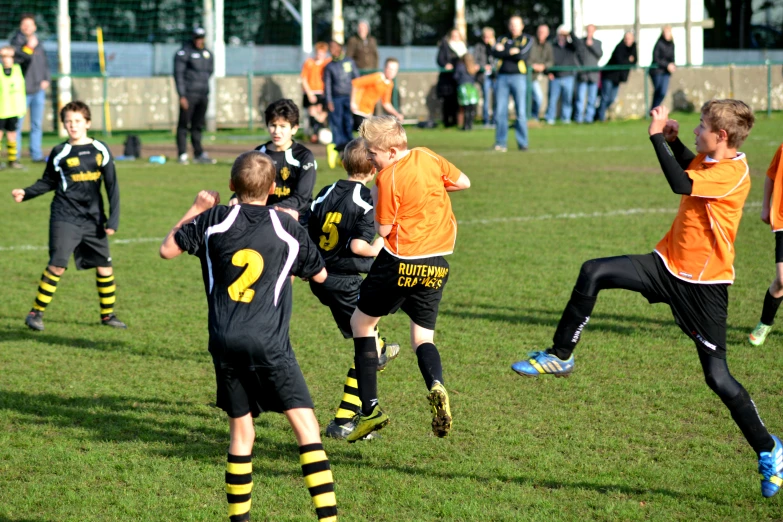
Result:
x=248 y=253
x=342 y=225
x=78 y=224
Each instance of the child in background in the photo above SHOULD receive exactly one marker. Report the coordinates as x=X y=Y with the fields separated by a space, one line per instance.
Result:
x=467 y=93
x=13 y=102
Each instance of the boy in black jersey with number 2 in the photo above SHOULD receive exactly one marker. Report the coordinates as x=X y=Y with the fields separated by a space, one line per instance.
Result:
x=248 y=253
x=78 y=224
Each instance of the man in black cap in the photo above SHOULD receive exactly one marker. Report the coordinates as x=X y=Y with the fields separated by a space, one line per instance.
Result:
x=193 y=65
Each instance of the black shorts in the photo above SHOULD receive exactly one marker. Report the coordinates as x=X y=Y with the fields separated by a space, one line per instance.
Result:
x=319 y=100
x=340 y=293
x=88 y=244
x=8 y=124
x=255 y=390
x=778 y=247
x=415 y=285
x=699 y=310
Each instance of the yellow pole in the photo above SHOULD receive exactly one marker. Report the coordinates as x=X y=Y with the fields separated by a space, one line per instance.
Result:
x=102 y=62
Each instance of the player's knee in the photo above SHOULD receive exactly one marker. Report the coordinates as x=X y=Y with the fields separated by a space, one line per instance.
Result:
x=56 y=270
x=777 y=284
x=590 y=270
x=724 y=385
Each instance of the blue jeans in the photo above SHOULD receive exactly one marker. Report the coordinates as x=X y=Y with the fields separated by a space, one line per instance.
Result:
x=560 y=86
x=660 y=86
x=589 y=89
x=35 y=105
x=608 y=96
x=514 y=85
x=341 y=121
x=537 y=100
x=487 y=86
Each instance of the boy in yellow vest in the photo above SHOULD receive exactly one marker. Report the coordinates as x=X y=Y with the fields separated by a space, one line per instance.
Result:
x=13 y=102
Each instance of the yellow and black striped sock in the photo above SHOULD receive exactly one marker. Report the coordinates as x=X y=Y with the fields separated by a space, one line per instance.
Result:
x=46 y=289
x=12 y=152
x=319 y=481
x=350 y=403
x=106 y=290
x=239 y=484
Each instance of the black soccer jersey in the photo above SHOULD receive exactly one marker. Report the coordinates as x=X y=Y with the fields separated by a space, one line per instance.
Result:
x=342 y=212
x=75 y=173
x=248 y=254
x=295 y=178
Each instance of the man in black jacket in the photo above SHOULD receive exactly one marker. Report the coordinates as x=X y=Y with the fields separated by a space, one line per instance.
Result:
x=512 y=52
x=562 y=82
x=623 y=54
x=662 y=65
x=589 y=51
x=193 y=65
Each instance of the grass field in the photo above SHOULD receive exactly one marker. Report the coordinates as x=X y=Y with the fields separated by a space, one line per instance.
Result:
x=99 y=425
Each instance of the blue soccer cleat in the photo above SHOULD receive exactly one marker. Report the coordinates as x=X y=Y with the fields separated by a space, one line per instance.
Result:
x=771 y=468
x=542 y=363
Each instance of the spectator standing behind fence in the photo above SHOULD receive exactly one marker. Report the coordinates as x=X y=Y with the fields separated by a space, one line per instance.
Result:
x=589 y=51
x=482 y=53
x=193 y=65
x=662 y=65
x=451 y=49
x=30 y=54
x=512 y=52
x=561 y=83
x=313 y=86
x=362 y=48
x=623 y=55
x=338 y=77
x=541 y=58
x=467 y=93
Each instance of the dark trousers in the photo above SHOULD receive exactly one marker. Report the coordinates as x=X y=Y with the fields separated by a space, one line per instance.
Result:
x=660 y=86
x=194 y=118
x=341 y=121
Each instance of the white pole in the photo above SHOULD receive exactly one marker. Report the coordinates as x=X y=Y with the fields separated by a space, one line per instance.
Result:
x=307 y=27
x=64 y=54
x=209 y=29
x=338 y=22
x=219 y=47
x=459 y=19
x=568 y=13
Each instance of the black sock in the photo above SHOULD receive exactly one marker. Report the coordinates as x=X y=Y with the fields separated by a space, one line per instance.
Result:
x=743 y=411
x=574 y=319
x=366 y=361
x=429 y=364
x=771 y=305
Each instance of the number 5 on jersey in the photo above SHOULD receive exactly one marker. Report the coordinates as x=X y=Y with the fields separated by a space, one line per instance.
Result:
x=254 y=264
x=329 y=241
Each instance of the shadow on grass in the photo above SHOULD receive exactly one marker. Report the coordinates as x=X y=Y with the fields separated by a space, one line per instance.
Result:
x=7 y=519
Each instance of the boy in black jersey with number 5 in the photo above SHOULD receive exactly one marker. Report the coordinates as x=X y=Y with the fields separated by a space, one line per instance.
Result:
x=77 y=224
x=248 y=253
x=342 y=225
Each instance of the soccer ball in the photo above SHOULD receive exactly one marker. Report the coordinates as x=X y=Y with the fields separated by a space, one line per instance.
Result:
x=324 y=136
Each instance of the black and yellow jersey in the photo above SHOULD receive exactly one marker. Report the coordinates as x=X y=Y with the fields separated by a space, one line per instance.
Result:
x=512 y=63
x=75 y=173
x=248 y=254
x=342 y=212
x=295 y=179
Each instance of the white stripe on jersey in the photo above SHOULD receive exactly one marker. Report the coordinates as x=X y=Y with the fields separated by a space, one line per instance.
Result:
x=289 y=158
x=357 y=198
x=293 y=251
x=56 y=162
x=262 y=149
x=104 y=152
x=219 y=229
x=322 y=198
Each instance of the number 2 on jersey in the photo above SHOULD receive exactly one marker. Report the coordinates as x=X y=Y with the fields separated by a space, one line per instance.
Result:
x=254 y=264
x=328 y=242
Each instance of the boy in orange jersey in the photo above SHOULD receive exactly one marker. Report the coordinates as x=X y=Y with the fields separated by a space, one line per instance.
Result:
x=413 y=215
x=690 y=269
x=772 y=214
x=313 y=86
x=371 y=88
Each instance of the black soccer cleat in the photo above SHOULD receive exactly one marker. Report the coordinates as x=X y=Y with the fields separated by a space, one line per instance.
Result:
x=111 y=320
x=34 y=320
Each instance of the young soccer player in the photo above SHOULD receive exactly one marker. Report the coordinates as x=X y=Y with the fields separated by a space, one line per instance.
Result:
x=369 y=89
x=342 y=225
x=247 y=254
x=13 y=103
x=772 y=214
x=78 y=224
x=690 y=269
x=313 y=86
x=413 y=215
x=295 y=164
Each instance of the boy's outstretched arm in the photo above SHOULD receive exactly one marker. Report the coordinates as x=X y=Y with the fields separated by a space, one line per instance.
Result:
x=48 y=182
x=462 y=183
x=205 y=200
x=678 y=179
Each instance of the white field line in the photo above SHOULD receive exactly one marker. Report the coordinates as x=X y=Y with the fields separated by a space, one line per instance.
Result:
x=489 y=221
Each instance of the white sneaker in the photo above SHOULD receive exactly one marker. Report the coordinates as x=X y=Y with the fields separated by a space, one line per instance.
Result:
x=183 y=159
